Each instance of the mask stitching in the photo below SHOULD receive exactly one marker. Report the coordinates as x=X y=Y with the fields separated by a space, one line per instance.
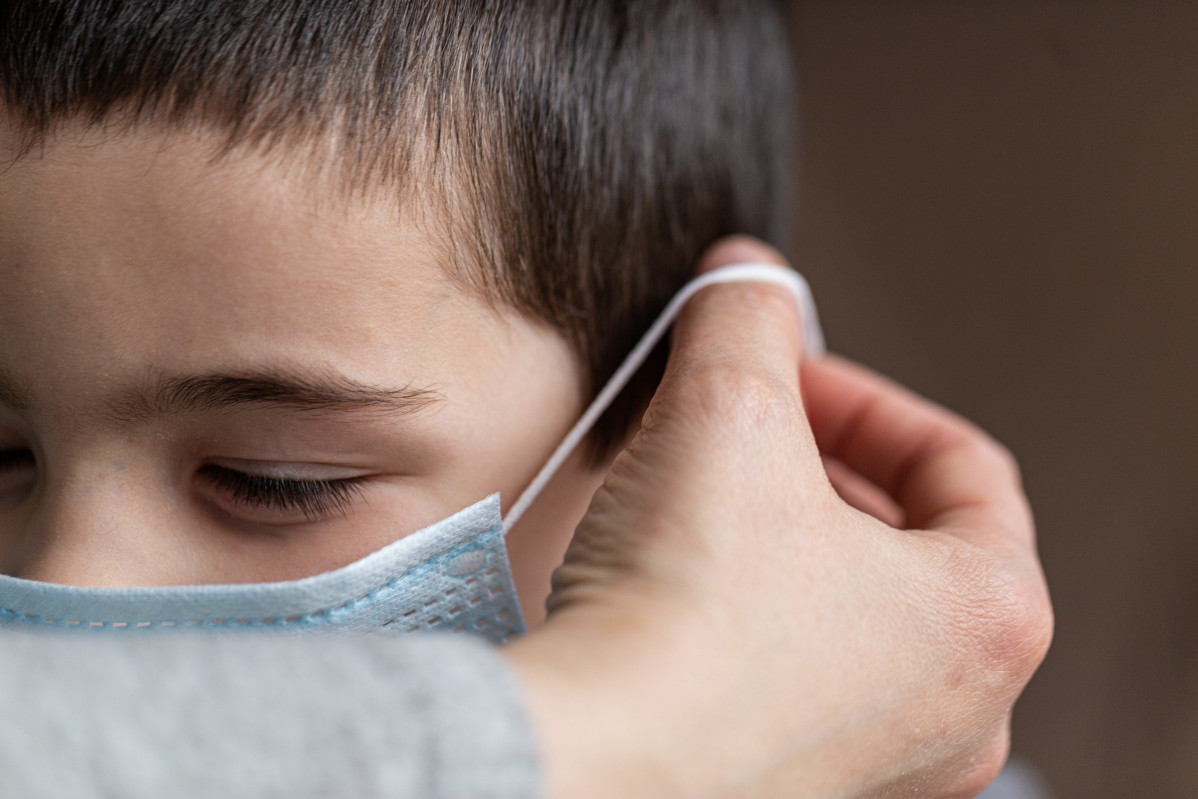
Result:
x=311 y=618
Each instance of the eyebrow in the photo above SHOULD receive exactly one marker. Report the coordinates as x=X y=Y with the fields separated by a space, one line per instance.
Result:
x=329 y=392
x=323 y=393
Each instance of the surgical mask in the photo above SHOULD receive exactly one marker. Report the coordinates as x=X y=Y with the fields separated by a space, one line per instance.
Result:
x=452 y=575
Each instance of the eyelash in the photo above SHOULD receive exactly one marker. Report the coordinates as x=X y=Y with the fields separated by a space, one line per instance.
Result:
x=13 y=459
x=317 y=500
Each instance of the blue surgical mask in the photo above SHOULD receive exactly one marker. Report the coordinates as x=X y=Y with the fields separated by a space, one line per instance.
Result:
x=452 y=575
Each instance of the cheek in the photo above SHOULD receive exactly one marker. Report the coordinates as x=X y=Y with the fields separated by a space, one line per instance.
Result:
x=538 y=542
x=528 y=400
x=517 y=394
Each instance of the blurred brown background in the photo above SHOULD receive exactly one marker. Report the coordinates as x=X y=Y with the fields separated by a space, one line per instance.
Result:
x=1000 y=208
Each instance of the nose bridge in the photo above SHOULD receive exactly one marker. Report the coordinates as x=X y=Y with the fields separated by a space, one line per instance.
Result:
x=92 y=527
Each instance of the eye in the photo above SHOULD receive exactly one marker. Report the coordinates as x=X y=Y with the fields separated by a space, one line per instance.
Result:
x=18 y=469
x=281 y=500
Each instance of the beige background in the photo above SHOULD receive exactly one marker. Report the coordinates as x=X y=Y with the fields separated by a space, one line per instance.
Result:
x=1000 y=207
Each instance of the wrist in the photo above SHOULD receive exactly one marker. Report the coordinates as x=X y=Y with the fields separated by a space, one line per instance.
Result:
x=625 y=708
x=605 y=725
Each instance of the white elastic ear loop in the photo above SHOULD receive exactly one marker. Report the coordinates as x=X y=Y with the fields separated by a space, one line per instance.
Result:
x=813 y=344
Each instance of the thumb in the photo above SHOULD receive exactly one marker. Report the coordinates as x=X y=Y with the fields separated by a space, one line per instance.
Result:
x=751 y=328
x=726 y=422
x=735 y=352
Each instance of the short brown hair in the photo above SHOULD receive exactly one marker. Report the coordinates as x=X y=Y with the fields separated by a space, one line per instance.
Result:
x=598 y=146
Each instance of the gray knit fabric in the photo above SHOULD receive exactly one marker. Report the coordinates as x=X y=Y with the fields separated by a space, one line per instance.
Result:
x=198 y=716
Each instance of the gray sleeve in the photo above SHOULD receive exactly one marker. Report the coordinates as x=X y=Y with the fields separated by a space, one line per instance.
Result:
x=195 y=717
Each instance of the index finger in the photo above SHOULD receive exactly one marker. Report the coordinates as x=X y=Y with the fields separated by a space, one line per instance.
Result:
x=944 y=472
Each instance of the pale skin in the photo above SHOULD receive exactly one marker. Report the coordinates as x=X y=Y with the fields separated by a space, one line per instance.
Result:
x=134 y=267
x=725 y=624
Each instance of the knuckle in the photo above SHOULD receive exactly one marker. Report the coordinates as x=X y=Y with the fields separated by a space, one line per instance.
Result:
x=990 y=450
x=1006 y=626
x=1039 y=628
x=743 y=397
x=1024 y=631
x=1005 y=459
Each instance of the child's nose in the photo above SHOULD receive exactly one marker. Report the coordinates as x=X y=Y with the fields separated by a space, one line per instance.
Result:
x=93 y=529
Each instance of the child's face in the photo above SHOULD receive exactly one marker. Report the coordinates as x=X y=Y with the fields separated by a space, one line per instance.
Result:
x=172 y=328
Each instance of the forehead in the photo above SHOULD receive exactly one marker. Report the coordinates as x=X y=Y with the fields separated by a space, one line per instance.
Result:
x=152 y=192
x=143 y=249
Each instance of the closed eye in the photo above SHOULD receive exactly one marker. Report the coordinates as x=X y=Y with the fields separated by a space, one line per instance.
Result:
x=15 y=458
x=18 y=469
x=314 y=500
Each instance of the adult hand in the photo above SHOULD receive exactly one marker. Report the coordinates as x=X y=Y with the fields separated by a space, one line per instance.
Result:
x=725 y=624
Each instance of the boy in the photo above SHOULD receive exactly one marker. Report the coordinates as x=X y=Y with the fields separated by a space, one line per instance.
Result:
x=283 y=282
